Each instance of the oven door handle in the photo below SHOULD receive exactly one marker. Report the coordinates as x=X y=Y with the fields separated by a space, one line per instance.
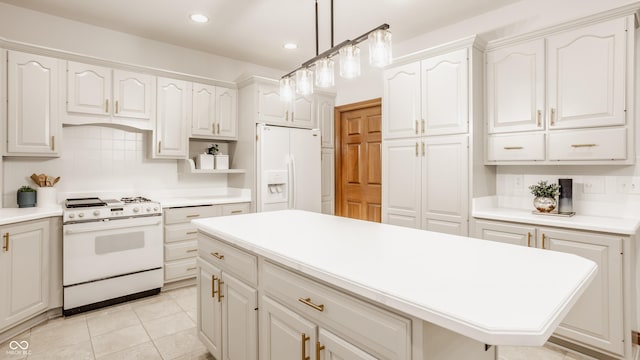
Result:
x=103 y=228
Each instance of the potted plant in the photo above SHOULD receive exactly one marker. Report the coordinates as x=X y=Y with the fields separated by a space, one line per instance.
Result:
x=545 y=196
x=26 y=197
x=221 y=161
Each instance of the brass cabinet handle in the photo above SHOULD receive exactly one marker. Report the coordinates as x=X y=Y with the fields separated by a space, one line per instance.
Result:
x=416 y=127
x=286 y=115
x=543 y=238
x=552 y=116
x=53 y=143
x=304 y=339
x=193 y=215
x=318 y=349
x=220 y=283
x=191 y=232
x=6 y=242
x=583 y=145
x=528 y=239
x=159 y=147
x=217 y=256
x=423 y=126
x=236 y=212
x=513 y=148
x=213 y=128
x=192 y=250
x=106 y=105
x=213 y=286
x=423 y=152
x=308 y=302
x=416 y=149
x=116 y=106
x=539 y=116
x=191 y=268
x=218 y=126
x=292 y=116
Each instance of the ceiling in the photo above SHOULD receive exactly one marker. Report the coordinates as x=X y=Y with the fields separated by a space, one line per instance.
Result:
x=255 y=30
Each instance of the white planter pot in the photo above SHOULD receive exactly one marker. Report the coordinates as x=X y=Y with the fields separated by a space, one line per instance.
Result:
x=46 y=197
x=222 y=162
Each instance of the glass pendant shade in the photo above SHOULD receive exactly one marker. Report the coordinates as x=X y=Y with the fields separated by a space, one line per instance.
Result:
x=380 y=48
x=324 y=73
x=350 y=61
x=304 y=82
x=287 y=89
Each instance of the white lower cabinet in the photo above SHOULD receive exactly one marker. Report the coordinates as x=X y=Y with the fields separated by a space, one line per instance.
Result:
x=596 y=320
x=327 y=164
x=24 y=271
x=227 y=301
x=284 y=334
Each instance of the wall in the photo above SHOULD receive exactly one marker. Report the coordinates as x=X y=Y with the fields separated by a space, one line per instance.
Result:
x=96 y=159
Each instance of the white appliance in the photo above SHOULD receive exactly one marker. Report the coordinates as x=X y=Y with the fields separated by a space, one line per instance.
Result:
x=288 y=169
x=112 y=251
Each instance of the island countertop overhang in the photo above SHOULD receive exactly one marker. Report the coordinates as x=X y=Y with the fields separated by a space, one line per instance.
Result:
x=495 y=293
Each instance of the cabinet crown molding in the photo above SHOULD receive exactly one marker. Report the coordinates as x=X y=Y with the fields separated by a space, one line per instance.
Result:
x=474 y=41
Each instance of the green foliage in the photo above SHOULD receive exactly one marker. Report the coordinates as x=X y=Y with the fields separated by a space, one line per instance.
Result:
x=213 y=149
x=26 y=188
x=542 y=189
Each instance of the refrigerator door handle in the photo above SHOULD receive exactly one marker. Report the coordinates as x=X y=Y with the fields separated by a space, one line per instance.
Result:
x=292 y=181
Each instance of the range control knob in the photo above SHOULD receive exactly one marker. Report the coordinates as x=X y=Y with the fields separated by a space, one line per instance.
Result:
x=96 y=212
x=135 y=209
x=80 y=214
x=72 y=215
x=155 y=209
x=148 y=209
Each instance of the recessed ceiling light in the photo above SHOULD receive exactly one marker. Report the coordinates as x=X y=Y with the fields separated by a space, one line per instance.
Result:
x=199 y=18
x=290 y=46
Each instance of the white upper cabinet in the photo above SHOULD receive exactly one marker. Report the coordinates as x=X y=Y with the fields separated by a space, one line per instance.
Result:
x=109 y=96
x=587 y=115
x=515 y=88
x=302 y=112
x=586 y=78
x=214 y=112
x=445 y=94
x=33 y=119
x=271 y=110
x=173 y=118
x=324 y=113
x=401 y=102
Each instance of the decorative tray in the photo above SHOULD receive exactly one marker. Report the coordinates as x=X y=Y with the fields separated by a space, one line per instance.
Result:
x=554 y=213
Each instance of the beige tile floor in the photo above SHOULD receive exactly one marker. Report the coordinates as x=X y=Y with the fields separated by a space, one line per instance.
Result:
x=159 y=327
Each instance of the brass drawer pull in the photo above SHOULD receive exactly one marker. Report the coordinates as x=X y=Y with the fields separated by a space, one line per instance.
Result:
x=423 y=152
x=416 y=149
x=513 y=148
x=417 y=127
x=192 y=250
x=116 y=106
x=220 y=283
x=191 y=268
x=528 y=239
x=191 y=232
x=193 y=216
x=318 y=349
x=539 y=116
x=582 y=145
x=423 y=126
x=217 y=256
x=53 y=143
x=304 y=339
x=236 y=212
x=543 y=238
x=6 y=242
x=308 y=302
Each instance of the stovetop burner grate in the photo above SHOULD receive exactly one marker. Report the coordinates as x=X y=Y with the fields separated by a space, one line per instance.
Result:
x=135 y=199
x=84 y=202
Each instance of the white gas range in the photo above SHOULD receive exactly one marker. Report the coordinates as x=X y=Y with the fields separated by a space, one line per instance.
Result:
x=112 y=251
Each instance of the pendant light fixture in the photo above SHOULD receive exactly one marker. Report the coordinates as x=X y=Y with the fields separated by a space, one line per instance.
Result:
x=379 y=56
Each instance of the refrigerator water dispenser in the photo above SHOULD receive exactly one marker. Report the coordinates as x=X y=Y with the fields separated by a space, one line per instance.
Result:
x=276 y=186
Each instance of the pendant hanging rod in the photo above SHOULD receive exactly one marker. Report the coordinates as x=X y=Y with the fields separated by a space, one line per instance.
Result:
x=335 y=49
x=331 y=25
x=317 y=47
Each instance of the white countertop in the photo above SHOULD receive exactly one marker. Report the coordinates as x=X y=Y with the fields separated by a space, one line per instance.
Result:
x=492 y=292
x=15 y=215
x=198 y=197
x=488 y=209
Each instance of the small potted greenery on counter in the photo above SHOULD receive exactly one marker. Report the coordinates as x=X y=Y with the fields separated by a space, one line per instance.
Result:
x=545 y=196
x=26 y=197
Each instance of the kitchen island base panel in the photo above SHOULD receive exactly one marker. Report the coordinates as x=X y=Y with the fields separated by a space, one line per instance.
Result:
x=442 y=344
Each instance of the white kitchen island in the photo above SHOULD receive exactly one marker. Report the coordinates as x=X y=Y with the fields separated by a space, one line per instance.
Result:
x=317 y=286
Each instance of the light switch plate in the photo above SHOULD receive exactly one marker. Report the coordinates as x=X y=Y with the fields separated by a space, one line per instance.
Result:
x=593 y=185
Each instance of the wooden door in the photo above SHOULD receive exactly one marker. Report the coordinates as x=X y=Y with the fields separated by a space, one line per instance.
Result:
x=361 y=163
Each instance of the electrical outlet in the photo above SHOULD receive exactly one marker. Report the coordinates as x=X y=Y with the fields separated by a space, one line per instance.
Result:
x=594 y=185
x=518 y=184
x=624 y=185
x=634 y=185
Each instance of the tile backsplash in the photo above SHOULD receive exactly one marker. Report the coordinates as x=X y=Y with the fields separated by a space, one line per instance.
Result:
x=103 y=159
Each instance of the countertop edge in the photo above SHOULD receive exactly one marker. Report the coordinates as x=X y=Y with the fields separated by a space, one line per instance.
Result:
x=17 y=215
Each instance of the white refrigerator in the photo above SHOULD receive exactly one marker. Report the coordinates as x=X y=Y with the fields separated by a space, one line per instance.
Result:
x=288 y=169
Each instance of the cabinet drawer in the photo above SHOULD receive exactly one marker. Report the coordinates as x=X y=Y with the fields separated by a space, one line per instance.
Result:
x=180 y=269
x=229 y=258
x=368 y=326
x=513 y=147
x=235 y=209
x=594 y=144
x=180 y=232
x=181 y=250
x=186 y=214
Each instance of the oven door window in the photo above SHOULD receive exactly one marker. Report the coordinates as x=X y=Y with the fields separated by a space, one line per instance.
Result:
x=119 y=242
